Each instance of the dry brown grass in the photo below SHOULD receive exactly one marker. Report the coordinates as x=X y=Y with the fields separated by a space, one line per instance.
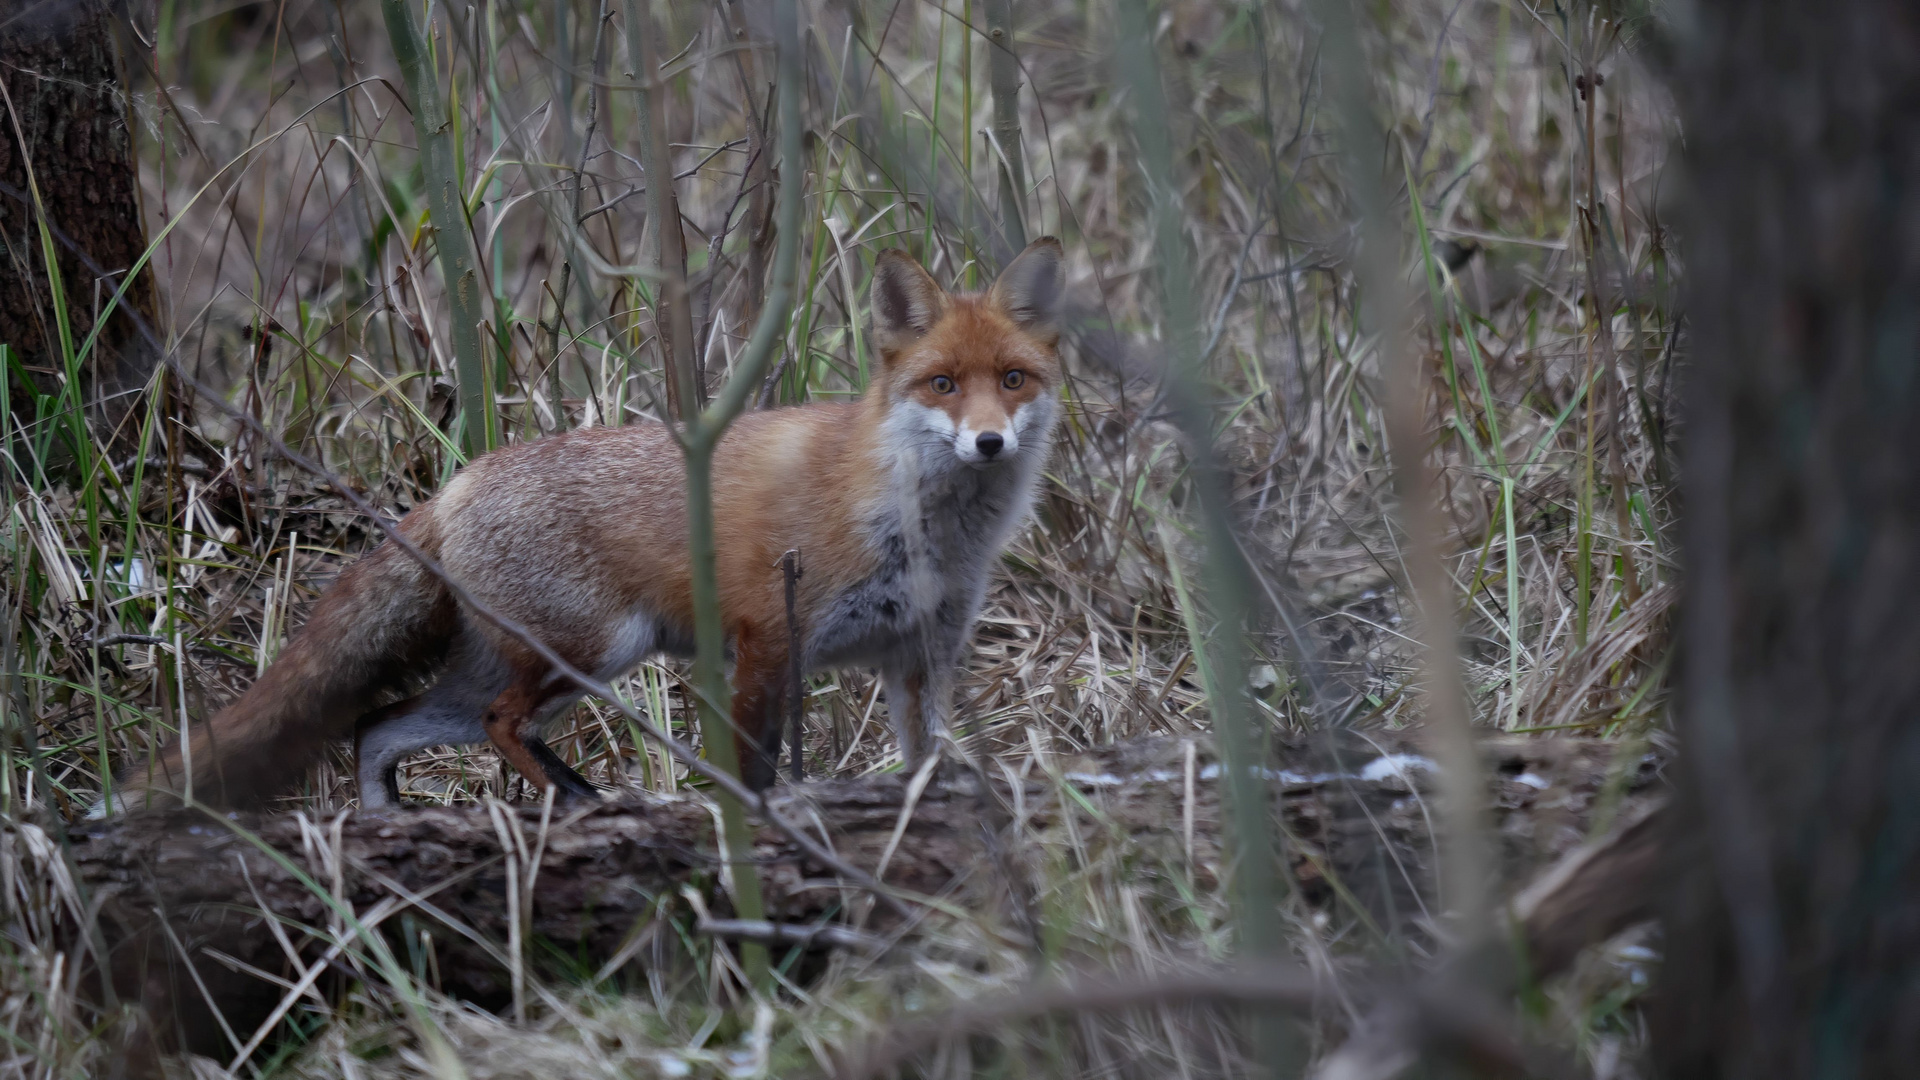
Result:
x=288 y=284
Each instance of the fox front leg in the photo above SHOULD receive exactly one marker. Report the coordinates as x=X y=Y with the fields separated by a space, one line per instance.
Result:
x=920 y=680
x=918 y=697
x=448 y=714
x=760 y=677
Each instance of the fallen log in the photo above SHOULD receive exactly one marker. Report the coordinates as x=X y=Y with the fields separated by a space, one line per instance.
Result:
x=193 y=909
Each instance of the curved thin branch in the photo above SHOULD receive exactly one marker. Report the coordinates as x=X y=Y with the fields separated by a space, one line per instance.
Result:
x=1283 y=986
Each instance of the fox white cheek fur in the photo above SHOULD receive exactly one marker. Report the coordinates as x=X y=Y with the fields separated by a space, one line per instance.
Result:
x=1032 y=419
x=923 y=428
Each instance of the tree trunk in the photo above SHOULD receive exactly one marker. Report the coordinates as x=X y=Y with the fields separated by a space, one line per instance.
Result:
x=1792 y=949
x=59 y=65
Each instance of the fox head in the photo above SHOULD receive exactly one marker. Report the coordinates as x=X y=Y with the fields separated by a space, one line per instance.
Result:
x=976 y=373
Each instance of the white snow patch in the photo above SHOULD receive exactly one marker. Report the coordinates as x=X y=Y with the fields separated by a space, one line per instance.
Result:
x=1396 y=765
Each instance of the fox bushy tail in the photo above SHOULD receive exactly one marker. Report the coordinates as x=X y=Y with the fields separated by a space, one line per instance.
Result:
x=384 y=620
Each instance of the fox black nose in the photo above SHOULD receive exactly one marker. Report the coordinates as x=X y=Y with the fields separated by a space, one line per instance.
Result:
x=989 y=442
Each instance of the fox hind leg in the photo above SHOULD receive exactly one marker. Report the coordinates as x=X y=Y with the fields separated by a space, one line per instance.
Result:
x=448 y=713
x=449 y=716
x=453 y=712
x=571 y=783
x=511 y=724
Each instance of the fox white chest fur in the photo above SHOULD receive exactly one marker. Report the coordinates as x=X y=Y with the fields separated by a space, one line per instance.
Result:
x=933 y=533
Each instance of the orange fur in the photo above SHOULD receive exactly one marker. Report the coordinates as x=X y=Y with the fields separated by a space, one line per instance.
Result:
x=582 y=538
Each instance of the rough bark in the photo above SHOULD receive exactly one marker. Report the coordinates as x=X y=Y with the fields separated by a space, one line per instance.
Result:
x=1792 y=948
x=610 y=877
x=62 y=74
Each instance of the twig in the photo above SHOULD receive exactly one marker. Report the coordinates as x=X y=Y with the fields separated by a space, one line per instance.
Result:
x=1270 y=985
x=772 y=382
x=796 y=687
x=111 y=640
x=773 y=933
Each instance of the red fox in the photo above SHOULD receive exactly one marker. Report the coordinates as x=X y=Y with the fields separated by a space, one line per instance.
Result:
x=898 y=502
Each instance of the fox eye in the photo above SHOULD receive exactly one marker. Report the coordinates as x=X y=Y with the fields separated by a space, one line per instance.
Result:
x=1012 y=379
x=942 y=384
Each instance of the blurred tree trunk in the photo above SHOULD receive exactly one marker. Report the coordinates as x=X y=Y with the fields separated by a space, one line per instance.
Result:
x=1793 y=947
x=59 y=65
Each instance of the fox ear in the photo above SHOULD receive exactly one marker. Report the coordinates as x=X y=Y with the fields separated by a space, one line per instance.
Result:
x=906 y=301
x=1029 y=289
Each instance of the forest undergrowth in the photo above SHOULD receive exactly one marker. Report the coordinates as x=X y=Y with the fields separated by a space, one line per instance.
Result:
x=152 y=571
